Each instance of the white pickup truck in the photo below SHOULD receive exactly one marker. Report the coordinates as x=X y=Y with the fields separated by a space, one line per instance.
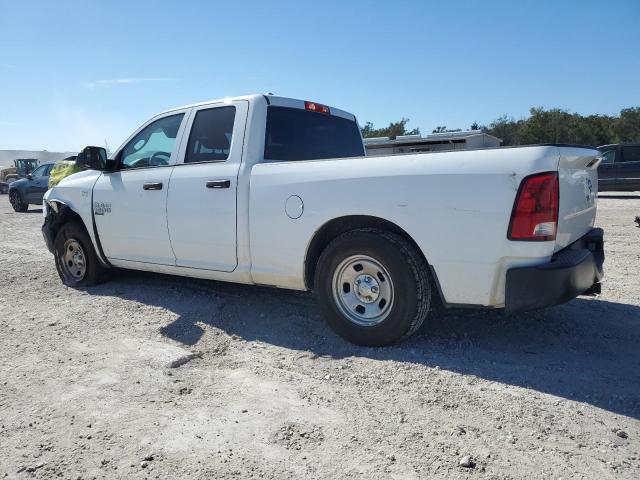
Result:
x=275 y=191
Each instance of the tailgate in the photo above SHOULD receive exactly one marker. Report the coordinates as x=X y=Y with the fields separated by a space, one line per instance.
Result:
x=578 y=177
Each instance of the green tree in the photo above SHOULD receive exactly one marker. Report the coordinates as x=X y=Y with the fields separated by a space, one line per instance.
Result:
x=560 y=126
x=393 y=130
x=444 y=129
x=542 y=126
x=627 y=127
x=505 y=128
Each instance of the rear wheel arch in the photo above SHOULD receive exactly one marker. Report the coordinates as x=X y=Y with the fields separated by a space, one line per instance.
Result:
x=337 y=226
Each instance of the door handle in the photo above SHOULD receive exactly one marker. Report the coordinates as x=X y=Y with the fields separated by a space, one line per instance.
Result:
x=152 y=186
x=218 y=183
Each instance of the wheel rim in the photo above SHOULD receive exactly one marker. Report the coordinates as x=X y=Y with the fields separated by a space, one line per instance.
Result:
x=74 y=260
x=363 y=290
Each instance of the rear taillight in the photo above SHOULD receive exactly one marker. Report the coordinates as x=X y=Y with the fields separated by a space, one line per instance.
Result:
x=535 y=211
x=316 y=107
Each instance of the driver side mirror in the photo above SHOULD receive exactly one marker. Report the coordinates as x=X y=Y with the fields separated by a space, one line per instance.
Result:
x=94 y=158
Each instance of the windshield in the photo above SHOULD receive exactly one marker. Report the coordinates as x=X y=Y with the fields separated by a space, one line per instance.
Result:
x=295 y=134
x=24 y=165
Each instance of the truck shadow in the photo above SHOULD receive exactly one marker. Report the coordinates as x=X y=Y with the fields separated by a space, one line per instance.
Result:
x=586 y=350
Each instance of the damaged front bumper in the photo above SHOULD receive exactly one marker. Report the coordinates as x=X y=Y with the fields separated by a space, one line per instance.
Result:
x=48 y=232
x=574 y=270
x=51 y=223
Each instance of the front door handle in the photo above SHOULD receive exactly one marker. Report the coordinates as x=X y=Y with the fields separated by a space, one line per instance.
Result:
x=152 y=186
x=218 y=183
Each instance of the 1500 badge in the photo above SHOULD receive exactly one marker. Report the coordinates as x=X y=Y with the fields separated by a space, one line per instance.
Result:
x=100 y=208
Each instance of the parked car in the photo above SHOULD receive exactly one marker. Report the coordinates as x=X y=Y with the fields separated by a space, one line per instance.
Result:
x=620 y=167
x=30 y=190
x=275 y=191
x=20 y=169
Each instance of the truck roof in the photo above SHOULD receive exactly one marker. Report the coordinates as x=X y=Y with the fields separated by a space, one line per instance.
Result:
x=271 y=100
x=611 y=145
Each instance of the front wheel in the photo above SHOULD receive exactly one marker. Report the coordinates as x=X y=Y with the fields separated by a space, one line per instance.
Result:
x=76 y=259
x=18 y=204
x=373 y=287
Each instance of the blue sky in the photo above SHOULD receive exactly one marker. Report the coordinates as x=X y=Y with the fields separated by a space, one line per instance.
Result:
x=77 y=73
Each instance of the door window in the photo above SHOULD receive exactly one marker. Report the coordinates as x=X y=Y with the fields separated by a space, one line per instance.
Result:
x=40 y=171
x=608 y=157
x=631 y=154
x=210 y=138
x=152 y=146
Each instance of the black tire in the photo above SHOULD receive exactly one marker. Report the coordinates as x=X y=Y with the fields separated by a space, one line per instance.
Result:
x=68 y=238
x=18 y=204
x=410 y=286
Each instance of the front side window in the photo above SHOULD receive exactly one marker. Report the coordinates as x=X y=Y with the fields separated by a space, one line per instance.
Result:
x=631 y=154
x=152 y=146
x=40 y=171
x=296 y=134
x=210 y=138
x=609 y=157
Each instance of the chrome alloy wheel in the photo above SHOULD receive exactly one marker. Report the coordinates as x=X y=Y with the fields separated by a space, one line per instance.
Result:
x=74 y=260
x=363 y=290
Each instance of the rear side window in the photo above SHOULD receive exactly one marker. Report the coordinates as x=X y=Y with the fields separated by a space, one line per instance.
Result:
x=210 y=138
x=631 y=154
x=295 y=134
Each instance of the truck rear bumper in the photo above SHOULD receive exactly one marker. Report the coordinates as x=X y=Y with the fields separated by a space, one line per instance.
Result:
x=572 y=271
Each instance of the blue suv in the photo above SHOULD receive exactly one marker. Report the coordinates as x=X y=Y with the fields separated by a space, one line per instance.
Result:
x=31 y=189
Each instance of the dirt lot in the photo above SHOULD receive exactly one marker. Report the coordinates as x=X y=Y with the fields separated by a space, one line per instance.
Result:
x=102 y=383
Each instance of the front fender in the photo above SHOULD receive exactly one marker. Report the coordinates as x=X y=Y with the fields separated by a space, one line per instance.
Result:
x=72 y=199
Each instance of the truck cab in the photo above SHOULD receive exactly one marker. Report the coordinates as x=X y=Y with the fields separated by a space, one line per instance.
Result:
x=192 y=163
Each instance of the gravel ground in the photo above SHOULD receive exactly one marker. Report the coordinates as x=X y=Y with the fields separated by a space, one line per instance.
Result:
x=152 y=376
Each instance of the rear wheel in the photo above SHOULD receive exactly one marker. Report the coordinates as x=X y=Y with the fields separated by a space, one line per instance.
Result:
x=18 y=204
x=373 y=287
x=76 y=259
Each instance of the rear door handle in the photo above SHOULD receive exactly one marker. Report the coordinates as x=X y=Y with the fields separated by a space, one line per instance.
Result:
x=218 y=183
x=152 y=186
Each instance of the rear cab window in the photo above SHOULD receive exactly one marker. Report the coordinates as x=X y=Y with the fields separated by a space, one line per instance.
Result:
x=296 y=134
